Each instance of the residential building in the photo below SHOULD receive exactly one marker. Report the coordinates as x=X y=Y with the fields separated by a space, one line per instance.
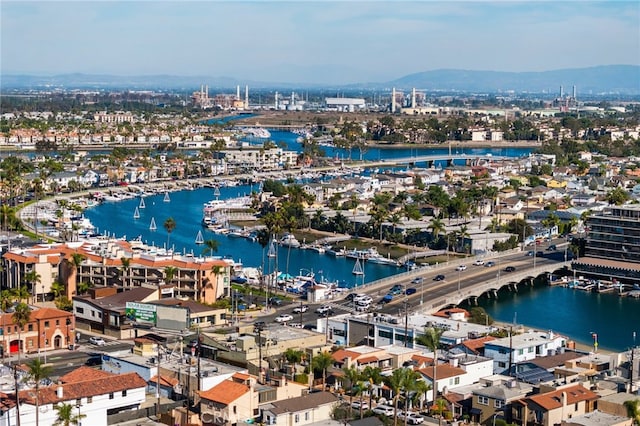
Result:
x=521 y=347
x=303 y=410
x=554 y=405
x=494 y=395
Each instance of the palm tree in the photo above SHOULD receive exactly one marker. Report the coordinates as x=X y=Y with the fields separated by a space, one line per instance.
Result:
x=7 y=298
x=322 y=362
x=21 y=316
x=57 y=288
x=126 y=265
x=211 y=246
x=373 y=375
x=36 y=371
x=431 y=339
x=21 y=293
x=409 y=385
x=169 y=226
x=33 y=278
x=462 y=234
x=352 y=377
x=293 y=356
x=633 y=410
x=66 y=417
x=440 y=408
x=395 y=382
x=436 y=226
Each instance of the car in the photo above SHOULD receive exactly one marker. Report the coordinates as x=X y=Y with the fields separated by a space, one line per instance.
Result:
x=510 y=269
x=259 y=324
x=385 y=410
x=93 y=361
x=276 y=301
x=439 y=277
x=418 y=280
x=356 y=405
x=396 y=289
x=99 y=341
x=350 y=297
x=489 y=264
x=479 y=262
x=530 y=253
x=387 y=298
x=362 y=308
x=410 y=291
x=412 y=418
x=461 y=267
x=363 y=300
x=300 y=309
x=324 y=309
x=283 y=318
x=295 y=325
x=552 y=247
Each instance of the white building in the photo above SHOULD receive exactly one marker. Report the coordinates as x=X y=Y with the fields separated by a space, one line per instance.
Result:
x=522 y=347
x=344 y=104
x=94 y=393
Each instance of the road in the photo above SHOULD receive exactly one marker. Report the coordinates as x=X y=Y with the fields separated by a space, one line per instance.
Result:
x=430 y=290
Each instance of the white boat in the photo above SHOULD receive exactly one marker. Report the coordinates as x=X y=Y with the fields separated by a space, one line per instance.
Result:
x=142 y=205
x=199 y=238
x=381 y=260
x=152 y=226
x=357 y=268
x=136 y=214
x=166 y=197
x=289 y=240
x=273 y=251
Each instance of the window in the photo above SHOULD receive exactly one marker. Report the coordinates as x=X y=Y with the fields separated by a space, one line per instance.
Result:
x=530 y=349
x=498 y=403
x=30 y=344
x=297 y=418
x=57 y=322
x=79 y=310
x=483 y=400
x=385 y=334
x=306 y=416
x=456 y=381
x=520 y=351
x=111 y=395
x=124 y=393
x=46 y=324
x=78 y=402
x=502 y=364
x=30 y=327
x=89 y=399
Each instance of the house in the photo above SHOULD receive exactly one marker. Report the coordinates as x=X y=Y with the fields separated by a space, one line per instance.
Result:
x=521 y=347
x=447 y=376
x=47 y=329
x=95 y=394
x=553 y=406
x=598 y=418
x=303 y=410
x=494 y=395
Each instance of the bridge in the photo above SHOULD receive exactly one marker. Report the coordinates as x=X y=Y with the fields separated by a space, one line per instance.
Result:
x=470 y=159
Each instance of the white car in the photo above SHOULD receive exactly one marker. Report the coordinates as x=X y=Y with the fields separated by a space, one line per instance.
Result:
x=324 y=309
x=300 y=309
x=99 y=341
x=283 y=318
x=461 y=268
x=479 y=262
x=383 y=409
x=363 y=299
x=412 y=418
x=357 y=404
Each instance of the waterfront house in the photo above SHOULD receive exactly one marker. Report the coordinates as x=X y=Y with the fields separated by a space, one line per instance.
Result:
x=521 y=347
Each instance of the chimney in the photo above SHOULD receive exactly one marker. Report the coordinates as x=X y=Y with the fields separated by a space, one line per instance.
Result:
x=59 y=391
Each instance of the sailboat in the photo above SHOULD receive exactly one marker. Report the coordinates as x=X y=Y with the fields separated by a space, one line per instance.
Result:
x=357 y=268
x=142 y=206
x=272 y=249
x=153 y=226
x=199 y=238
x=136 y=214
x=166 y=197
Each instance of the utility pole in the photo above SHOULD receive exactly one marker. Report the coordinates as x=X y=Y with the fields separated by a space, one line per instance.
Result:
x=510 y=349
x=406 y=321
x=633 y=349
x=158 y=383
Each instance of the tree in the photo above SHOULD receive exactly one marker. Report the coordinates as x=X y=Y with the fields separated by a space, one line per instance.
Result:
x=7 y=298
x=293 y=356
x=65 y=415
x=32 y=277
x=211 y=246
x=21 y=293
x=394 y=382
x=633 y=410
x=373 y=375
x=124 y=269
x=431 y=339
x=37 y=371
x=436 y=227
x=618 y=196
x=21 y=316
x=352 y=376
x=169 y=226
x=322 y=362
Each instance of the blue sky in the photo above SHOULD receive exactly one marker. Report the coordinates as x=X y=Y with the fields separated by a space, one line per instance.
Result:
x=313 y=41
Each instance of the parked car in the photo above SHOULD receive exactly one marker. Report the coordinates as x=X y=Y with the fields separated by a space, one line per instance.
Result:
x=412 y=418
x=300 y=309
x=350 y=297
x=324 y=309
x=93 y=361
x=479 y=262
x=489 y=264
x=99 y=341
x=461 y=267
x=510 y=269
x=276 y=301
x=259 y=324
x=357 y=404
x=363 y=299
x=552 y=247
x=417 y=280
x=439 y=277
x=385 y=410
x=283 y=318
x=396 y=289
x=410 y=291
x=530 y=253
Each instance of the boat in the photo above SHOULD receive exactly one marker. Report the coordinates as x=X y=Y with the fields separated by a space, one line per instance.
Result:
x=272 y=249
x=199 y=238
x=166 y=197
x=136 y=214
x=289 y=240
x=381 y=260
x=152 y=226
x=363 y=254
x=142 y=205
x=357 y=268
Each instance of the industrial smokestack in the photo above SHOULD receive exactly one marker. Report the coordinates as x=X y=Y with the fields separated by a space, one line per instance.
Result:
x=413 y=98
x=276 y=100
x=393 y=100
x=238 y=91
x=574 y=93
x=561 y=92
x=246 y=96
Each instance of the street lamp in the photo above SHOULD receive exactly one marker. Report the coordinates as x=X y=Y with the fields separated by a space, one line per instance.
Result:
x=78 y=405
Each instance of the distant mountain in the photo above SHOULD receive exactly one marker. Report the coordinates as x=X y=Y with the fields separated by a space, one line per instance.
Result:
x=601 y=79
x=622 y=79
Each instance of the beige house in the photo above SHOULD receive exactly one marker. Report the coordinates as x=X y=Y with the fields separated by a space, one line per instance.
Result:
x=553 y=406
x=303 y=410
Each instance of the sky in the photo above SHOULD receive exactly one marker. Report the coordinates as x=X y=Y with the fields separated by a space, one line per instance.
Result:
x=313 y=41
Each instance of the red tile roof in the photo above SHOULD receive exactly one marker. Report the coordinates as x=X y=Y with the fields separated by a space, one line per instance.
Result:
x=164 y=381
x=225 y=392
x=552 y=400
x=341 y=354
x=443 y=371
x=476 y=344
x=77 y=390
x=84 y=373
x=367 y=359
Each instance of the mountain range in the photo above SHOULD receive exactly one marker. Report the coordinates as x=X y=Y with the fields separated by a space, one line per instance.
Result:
x=613 y=79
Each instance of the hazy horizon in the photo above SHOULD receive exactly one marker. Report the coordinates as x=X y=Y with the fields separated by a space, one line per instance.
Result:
x=313 y=42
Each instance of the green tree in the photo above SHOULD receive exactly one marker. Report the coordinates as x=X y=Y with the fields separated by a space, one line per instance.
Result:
x=321 y=363
x=169 y=226
x=21 y=316
x=618 y=196
x=633 y=410
x=21 y=293
x=293 y=357
x=33 y=278
x=431 y=339
x=37 y=371
x=57 y=288
x=374 y=376
x=211 y=246
x=65 y=415
x=124 y=269
x=394 y=382
x=351 y=378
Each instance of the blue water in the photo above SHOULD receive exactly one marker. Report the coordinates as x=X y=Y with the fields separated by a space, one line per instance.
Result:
x=574 y=313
